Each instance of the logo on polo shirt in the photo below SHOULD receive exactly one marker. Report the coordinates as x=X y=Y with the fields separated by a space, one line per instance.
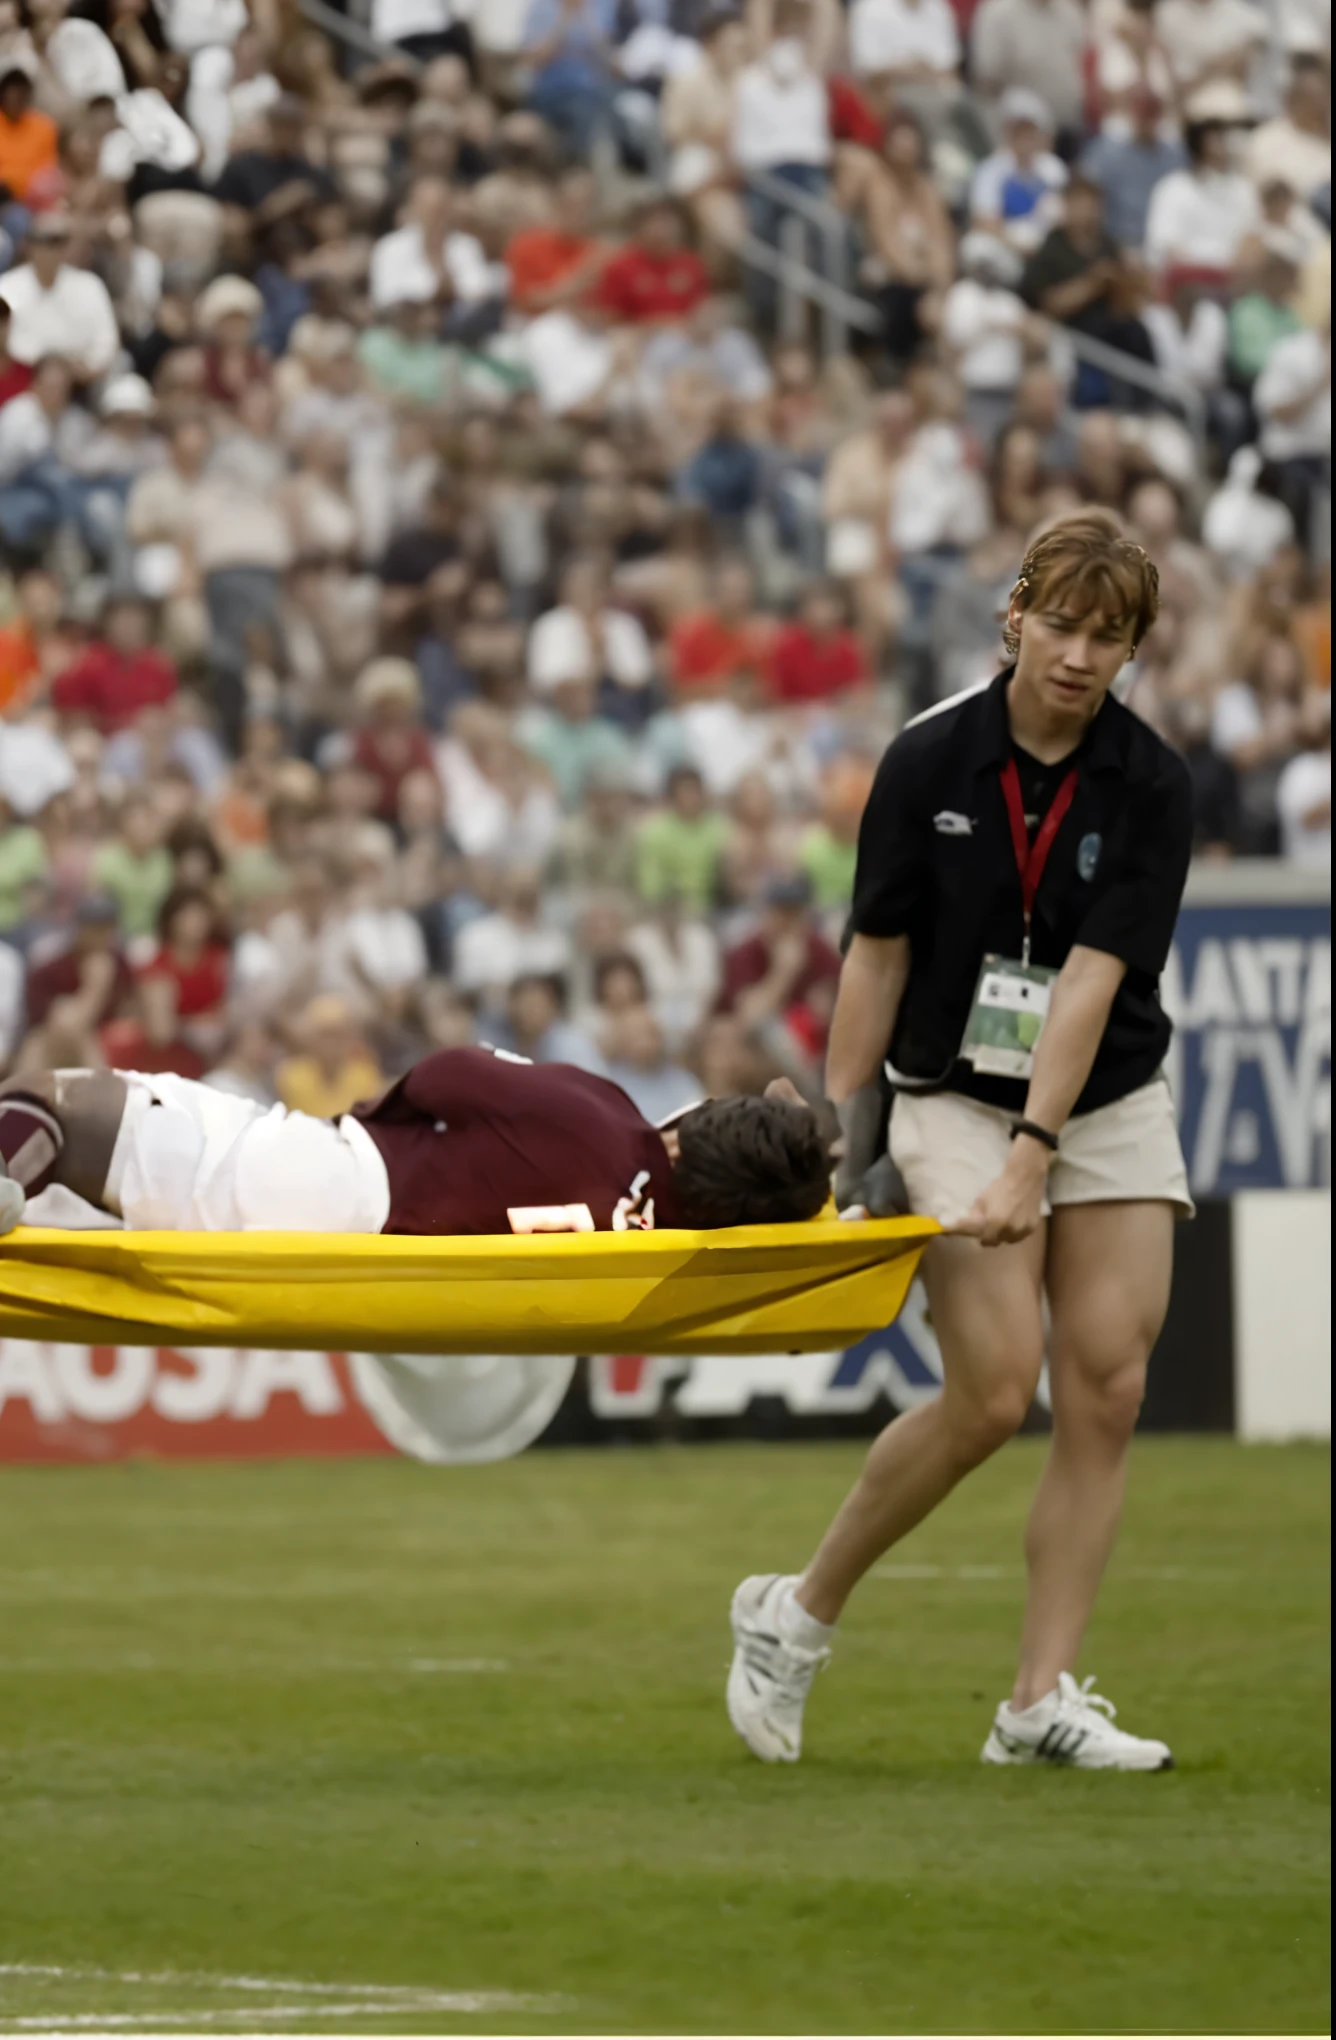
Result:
x=948 y=823
x=1087 y=856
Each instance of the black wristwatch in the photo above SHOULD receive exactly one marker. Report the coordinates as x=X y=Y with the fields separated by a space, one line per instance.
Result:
x=1036 y=1132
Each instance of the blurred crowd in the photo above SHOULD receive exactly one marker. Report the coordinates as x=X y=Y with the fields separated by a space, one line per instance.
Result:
x=455 y=585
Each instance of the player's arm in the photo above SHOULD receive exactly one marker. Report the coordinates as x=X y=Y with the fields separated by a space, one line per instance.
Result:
x=892 y=875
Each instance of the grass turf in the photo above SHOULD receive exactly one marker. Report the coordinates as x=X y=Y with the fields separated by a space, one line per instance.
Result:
x=373 y=1724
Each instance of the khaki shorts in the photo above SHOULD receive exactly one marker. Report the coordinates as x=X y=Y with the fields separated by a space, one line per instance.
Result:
x=948 y=1148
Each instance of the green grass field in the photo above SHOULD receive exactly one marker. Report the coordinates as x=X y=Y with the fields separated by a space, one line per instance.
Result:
x=405 y=1733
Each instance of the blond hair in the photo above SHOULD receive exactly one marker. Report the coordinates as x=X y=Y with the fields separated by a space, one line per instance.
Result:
x=1087 y=558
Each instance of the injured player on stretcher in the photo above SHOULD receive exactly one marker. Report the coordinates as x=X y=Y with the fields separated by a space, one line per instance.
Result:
x=469 y=1141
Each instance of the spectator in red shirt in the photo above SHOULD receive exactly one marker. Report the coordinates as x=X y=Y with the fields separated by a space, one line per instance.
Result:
x=550 y=266
x=182 y=993
x=392 y=741
x=15 y=376
x=119 y=673
x=818 y=657
x=86 y=980
x=709 y=647
x=656 y=276
x=780 y=983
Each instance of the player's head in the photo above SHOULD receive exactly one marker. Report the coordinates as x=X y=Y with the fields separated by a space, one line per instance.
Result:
x=1085 y=597
x=750 y=1161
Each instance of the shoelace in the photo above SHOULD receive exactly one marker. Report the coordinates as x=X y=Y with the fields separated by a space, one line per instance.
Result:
x=1078 y=1701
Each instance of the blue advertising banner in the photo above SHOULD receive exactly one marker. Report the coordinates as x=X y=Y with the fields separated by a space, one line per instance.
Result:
x=1248 y=987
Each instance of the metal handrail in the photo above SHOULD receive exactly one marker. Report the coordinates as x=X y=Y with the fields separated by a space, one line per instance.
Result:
x=1130 y=368
x=352 y=34
x=819 y=211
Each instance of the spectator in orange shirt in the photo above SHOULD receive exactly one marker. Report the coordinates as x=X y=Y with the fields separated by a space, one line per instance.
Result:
x=27 y=650
x=550 y=266
x=29 y=141
x=656 y=275
x=709 y=647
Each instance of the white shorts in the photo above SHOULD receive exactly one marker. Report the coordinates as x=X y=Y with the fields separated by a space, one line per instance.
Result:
x=192 y=1159
x=949 y=1147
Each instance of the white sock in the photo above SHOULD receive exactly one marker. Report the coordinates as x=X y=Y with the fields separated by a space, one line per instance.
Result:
x=1035 y=1706
x=796 y=1626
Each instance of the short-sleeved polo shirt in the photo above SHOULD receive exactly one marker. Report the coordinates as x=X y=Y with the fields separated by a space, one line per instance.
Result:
x=936 y=863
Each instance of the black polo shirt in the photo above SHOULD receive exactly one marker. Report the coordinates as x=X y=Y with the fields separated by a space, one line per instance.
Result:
x=936 y=863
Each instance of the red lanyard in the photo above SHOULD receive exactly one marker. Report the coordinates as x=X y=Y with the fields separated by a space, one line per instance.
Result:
x=1032 y=857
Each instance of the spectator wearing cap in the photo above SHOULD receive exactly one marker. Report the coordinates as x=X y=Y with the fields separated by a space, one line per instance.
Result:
x=1211 y=41
x=120 y=673
x=1038 y=46
x=391 y=742
x=1200 y=217
x=57 y=308
x=1014 y=193
x=680 y=849
x=984 y=326
x=106 y=467
x=1295 y=147
x=227 y=317
x=780 y=982
x=1129 y=164
x=29 y=140
x=656 y=276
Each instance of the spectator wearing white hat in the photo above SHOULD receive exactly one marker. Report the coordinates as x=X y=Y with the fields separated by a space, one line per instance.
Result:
x=105 y=468
x=57 y=308
x=1015 y=192
x=984 y=323
x=1200 y=217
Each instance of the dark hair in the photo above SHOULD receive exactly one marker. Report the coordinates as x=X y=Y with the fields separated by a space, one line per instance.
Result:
x=180 y=897
x=190 y=834
x=611 y=965
x=750 y=1161
x=1196 y=133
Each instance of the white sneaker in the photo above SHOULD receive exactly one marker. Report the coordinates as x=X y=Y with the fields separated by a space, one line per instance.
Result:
x=13 y=1204
x=1072 y=1725
x=769 y=1680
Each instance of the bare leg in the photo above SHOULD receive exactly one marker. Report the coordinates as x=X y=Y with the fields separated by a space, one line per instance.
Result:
x=88 y=1105
x=986 y=1313
x=1109 y=1267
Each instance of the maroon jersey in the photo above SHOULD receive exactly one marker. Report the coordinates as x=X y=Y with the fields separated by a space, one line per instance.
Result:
x=476 y=1142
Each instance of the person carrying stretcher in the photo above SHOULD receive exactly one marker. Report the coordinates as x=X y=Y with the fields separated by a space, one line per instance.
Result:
x=469 y=1141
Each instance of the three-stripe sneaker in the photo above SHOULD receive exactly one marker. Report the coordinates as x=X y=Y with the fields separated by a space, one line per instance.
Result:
x=1072 y=1725
x=769 y=1679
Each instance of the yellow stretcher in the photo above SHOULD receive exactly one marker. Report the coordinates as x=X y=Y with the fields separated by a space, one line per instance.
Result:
x=751 y=1289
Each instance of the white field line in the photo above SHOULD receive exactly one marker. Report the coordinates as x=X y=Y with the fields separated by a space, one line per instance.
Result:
x=332 y=2000
x=259 y=1667
x=1015 y=1572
